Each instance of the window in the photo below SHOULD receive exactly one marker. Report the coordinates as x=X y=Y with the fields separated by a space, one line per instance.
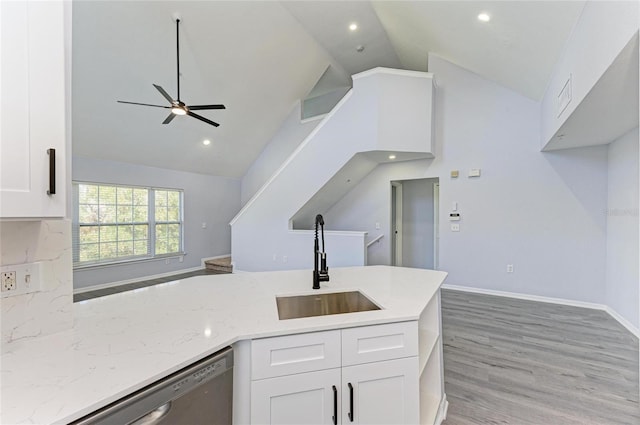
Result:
x=123 y=223
x=168 y=221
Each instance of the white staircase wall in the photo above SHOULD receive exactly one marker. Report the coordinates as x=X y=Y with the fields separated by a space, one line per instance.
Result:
x=387 y=110
x=603 y=30
x=288 y=137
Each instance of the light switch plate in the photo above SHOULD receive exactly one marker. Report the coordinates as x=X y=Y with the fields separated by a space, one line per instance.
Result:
x=25 y=279
x=474 y=172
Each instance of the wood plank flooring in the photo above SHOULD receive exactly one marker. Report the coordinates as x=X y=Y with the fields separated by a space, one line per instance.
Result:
x=516 y=362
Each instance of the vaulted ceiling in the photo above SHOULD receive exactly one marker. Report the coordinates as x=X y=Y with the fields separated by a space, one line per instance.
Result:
x=259 y=58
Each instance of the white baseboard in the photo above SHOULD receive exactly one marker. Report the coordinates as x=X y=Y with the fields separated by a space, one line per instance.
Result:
x=527 y=297
x=138 y=279
x=213 y=258
x=624 y=322
x=441 y=416
x=562 y=301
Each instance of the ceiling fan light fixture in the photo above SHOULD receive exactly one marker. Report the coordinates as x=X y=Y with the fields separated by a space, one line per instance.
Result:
x=484 y=17
x=178 y=107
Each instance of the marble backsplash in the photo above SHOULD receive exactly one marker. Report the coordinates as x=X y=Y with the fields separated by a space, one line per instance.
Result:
x=49 y=310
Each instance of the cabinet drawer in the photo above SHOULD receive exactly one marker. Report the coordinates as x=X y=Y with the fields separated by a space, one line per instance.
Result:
x=286 y=355
x=380 y=342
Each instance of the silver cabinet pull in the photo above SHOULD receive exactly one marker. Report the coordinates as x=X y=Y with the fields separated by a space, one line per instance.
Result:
x=154 y=416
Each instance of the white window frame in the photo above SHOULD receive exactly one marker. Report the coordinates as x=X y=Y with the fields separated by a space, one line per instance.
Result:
x=151 y=223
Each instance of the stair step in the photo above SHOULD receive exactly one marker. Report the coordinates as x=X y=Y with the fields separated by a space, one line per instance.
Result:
x=220 y=264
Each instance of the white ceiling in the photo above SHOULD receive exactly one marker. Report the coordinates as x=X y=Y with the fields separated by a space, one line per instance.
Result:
x=517 y=48
x=259 y=58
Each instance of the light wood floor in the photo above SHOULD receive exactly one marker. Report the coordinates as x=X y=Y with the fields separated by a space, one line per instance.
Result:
x=510 y=361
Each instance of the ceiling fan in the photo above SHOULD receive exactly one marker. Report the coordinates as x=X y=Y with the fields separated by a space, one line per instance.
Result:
x=178 y=107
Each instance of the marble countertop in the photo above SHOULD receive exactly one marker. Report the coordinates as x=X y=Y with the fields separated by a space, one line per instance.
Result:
x=123 y=342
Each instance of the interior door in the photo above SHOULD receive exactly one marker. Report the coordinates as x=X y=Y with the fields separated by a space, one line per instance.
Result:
x=436 y=224
x=396 y=224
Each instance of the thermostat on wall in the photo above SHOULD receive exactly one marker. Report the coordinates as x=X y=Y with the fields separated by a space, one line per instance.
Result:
x=454 y=216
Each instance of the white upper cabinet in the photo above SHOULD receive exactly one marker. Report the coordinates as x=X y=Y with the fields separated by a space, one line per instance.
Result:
x=32 y=112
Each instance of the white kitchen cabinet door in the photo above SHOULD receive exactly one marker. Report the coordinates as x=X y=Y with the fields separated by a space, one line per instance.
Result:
x=300 y=399
x=381 y=393
x=32 y=109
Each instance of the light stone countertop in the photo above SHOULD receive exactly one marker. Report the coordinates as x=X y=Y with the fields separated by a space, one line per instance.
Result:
x=123 y=342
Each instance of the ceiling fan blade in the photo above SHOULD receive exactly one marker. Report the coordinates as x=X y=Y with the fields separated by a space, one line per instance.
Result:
x=169 y=118
x=144 y=104
x=164 y=93
x=198 y=117
x=200 y=107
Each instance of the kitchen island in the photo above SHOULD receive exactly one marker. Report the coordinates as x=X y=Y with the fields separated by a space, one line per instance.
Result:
x=123 y=342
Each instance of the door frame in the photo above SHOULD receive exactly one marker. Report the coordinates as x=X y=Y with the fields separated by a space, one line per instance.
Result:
x=396 y=227
x=436 y=221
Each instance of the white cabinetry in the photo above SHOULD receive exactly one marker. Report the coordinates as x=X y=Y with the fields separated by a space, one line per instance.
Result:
x=381 y=392
x=32 y=112
x=303 y=398
x=433 y=401
x=370 y=375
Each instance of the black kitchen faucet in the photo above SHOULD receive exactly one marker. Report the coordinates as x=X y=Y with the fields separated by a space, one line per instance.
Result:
x=322 y=274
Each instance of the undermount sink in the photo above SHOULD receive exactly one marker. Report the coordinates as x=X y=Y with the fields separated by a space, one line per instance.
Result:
x=294 y=307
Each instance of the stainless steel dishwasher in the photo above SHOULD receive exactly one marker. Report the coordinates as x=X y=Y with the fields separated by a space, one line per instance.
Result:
x=198 y=394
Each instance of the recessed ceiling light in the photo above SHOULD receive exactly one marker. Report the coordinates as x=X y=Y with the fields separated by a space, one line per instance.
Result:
x=206 y=142
x=353 y=26
x=484 y=17
x=392 y=157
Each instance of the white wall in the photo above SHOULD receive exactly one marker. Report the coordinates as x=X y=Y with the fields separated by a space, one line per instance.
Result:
x=261 y=236
x=622 y=228
x=541 y=212
x=207 y=199
x=417 y=223
x=603 y=30
x=289 y=136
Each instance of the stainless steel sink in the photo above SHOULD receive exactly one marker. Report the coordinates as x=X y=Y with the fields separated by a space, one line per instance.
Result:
x=323 y=304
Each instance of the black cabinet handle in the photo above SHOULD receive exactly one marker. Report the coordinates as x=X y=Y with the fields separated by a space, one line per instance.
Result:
x=335 y=406
x=52 y=171
x=350 y=402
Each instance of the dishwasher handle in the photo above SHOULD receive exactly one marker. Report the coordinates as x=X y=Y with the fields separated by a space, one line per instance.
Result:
x=155 y=416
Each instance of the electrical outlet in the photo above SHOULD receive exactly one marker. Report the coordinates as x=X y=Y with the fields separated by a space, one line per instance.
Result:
x=509 y=268
x=19 y=279
x=9 y=281
x=285 y=258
